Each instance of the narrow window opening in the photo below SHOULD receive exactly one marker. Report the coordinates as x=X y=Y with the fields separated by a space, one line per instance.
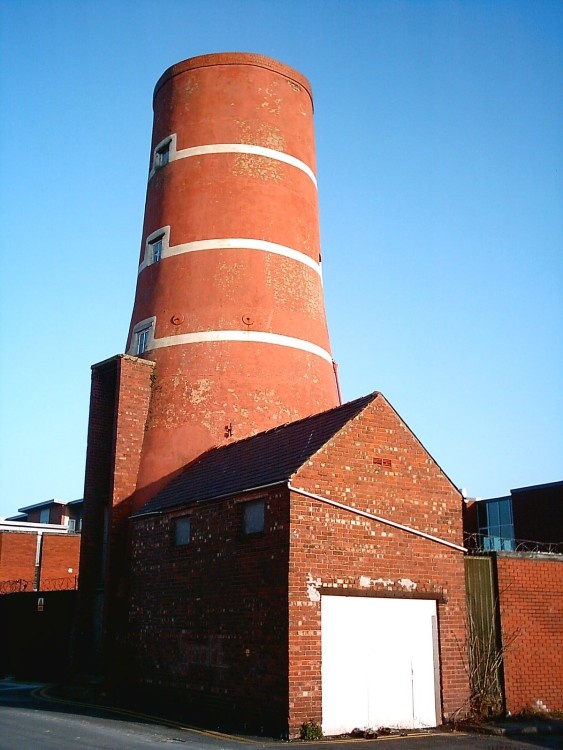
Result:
x=162 y=155
x=142 y=340
x=254 y=517
x=156 y=249
x=182 y=531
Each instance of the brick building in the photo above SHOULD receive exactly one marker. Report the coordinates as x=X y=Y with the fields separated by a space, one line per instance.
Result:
x=313 y=571
x=529 y=519
x=249 y=542
x=57 y=512
x=37 y=557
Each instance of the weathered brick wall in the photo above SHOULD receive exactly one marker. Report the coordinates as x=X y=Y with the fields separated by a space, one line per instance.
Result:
x=17 y=558
x=377 y=465
x=60 y=559
x=531 y=607
x=208 y=620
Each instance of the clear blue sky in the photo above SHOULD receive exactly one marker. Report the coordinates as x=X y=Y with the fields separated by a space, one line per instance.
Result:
x=439 y=132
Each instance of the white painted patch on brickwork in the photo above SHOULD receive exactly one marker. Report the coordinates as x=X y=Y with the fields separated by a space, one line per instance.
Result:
x=312 y=588
x=407 y=584
x=387 y=582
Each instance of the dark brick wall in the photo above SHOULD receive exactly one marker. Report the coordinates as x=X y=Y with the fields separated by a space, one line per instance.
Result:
x=208 y=620
x=531 y=608
x=56 y=514
x=119 y=402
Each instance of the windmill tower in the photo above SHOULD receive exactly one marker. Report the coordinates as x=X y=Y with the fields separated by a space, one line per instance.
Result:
x=229 y=302
x=228 y=334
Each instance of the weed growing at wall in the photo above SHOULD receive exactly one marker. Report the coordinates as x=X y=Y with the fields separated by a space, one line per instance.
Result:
x=310 y=730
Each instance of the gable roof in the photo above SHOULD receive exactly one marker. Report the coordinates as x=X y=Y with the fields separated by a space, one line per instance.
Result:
x=264 y=459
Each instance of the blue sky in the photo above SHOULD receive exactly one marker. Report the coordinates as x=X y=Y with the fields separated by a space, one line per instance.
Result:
x=439 y=131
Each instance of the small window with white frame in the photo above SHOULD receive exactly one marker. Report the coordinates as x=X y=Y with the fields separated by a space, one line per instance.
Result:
x=155 y=247
x=162 y=155
x=182 y=531
x=142 y=340
x=253 y=517
x=142 y=337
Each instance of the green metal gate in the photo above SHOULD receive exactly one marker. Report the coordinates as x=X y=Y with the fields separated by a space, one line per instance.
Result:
x=484 y=644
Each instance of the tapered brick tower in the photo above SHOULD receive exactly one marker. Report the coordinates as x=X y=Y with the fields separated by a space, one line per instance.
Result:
x=229 y=302
x=228 y=334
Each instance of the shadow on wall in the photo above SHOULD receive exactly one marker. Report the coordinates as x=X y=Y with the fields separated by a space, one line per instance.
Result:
x=37 y=632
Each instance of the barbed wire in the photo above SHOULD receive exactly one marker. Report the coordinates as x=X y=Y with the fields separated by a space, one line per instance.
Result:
x=483 y=544
x=12 y=587
x=50 y=584
x=59 y=584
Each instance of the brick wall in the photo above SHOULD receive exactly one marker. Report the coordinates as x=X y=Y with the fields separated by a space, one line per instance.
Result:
x=119 y=401
x=531 y=607
x=17 y=559
x=208 y=620
x=18 y=551
x=57 y=513
x=377 y=465
x=60 y=559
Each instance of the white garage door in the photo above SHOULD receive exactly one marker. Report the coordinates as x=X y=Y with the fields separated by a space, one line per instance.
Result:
x=378 y=663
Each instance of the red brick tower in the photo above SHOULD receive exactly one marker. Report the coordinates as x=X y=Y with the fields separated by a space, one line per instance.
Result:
x=229 y=302
x=228 y=335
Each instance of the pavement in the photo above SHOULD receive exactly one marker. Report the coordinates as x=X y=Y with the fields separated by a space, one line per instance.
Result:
x=528 y=727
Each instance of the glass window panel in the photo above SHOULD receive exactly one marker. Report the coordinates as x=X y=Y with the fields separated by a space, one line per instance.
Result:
x=493 y=520
x=182 y=531
x=254 y=517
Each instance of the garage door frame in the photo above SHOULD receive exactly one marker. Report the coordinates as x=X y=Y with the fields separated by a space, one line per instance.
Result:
x=370 y=651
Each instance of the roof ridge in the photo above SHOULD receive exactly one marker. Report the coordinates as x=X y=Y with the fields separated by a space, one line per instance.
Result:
x=284 y=425
x=267 y=457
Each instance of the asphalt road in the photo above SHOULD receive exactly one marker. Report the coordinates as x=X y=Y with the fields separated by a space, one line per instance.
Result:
x=28 y=722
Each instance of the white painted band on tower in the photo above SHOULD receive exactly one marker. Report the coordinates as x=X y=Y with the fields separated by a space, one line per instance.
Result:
x=256 y=337
x=227 y=243
x=226 y=148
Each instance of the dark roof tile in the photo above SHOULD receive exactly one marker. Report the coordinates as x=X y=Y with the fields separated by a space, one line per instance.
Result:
x=263 y=459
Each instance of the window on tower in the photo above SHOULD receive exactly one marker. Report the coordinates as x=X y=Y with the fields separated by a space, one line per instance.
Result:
x=142 y=340
x=162 y=155
x=156 y=249
x=142 y=337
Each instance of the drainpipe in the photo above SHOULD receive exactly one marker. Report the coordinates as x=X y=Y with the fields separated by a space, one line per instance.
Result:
x=38 y=551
